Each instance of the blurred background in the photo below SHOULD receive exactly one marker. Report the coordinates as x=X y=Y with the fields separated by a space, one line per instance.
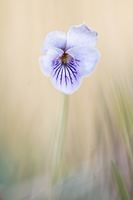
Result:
x=98 y=149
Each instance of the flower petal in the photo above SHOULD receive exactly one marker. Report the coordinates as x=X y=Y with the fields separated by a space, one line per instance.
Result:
x=46 y=61
x=54 y=39
x=64 y=80
x=82 y=36
x=87 y=59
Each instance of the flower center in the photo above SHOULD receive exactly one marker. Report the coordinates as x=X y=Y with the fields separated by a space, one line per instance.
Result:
x=65 y=58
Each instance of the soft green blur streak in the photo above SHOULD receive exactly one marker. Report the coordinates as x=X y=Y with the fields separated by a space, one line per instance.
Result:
x=124 y=106
x=60 y=139
x=114 y=127
x=120 y=182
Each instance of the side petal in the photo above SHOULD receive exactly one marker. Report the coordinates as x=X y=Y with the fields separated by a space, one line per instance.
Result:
x=82 y=36
x=46 y=61
x=86 y=58
x=54 y=39
x=64 y=81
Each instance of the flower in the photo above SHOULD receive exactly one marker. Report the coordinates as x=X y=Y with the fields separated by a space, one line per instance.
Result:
x=68 y=58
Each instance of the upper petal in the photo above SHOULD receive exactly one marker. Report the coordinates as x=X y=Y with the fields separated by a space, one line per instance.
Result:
x=46 y=61
x=54 y=39
x=87 y=59
x=82 y=36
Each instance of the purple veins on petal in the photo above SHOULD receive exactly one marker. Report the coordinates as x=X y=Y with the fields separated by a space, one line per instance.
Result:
x=61 y=76
x=73 y=72
x=58 y=71
x=57 y=68
x=70 y=76
x=65 y=66
x=66 y=78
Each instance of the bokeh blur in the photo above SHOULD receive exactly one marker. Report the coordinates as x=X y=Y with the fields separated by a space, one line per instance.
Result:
x=98 y=148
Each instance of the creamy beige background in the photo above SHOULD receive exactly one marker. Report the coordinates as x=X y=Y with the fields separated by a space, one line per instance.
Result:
x=28 y=101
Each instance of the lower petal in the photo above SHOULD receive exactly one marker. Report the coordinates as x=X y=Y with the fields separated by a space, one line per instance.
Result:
x=65 y=81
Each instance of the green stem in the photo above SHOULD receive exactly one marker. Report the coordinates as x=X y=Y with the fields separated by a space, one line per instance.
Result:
x=59 y=139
